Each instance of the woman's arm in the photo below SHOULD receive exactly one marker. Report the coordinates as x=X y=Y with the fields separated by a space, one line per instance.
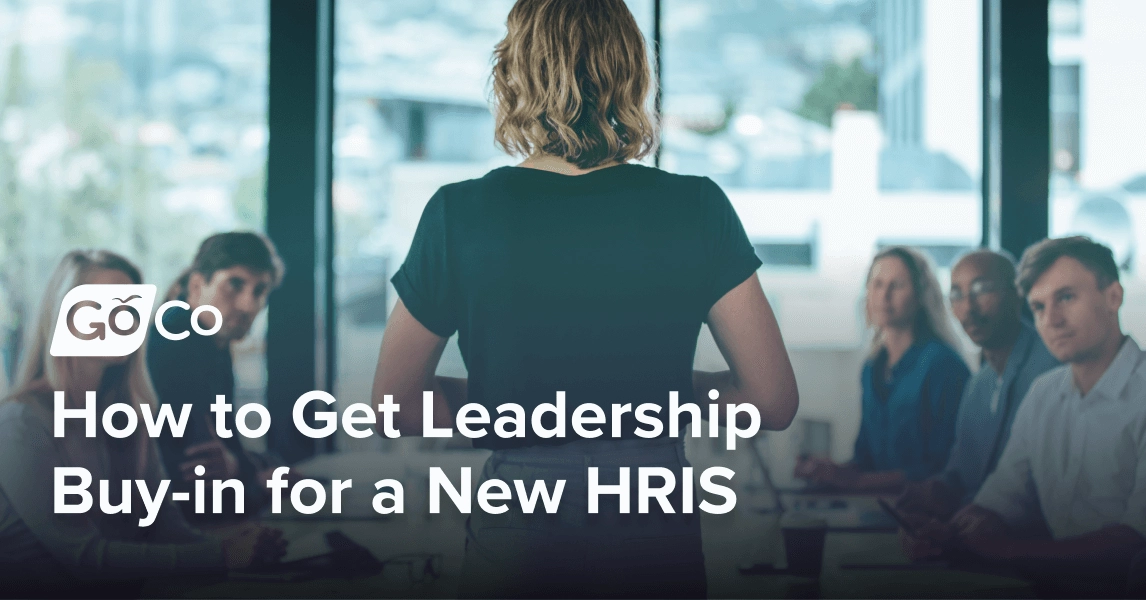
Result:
x=860 y=474
x=944 y=389
x=760 y=372
x=406 y=365
x=28 y=459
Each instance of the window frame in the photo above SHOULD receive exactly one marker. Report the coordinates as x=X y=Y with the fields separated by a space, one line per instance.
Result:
x=1014 y=188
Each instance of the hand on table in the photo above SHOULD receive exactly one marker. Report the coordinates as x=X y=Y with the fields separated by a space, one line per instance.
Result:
x=931 y=498
x=253 y=545
x=930 y=539
x=974 y=521
x=982 y=532
x=973 y=529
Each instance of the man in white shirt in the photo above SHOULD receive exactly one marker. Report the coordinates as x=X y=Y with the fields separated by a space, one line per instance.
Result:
x=1077 y=451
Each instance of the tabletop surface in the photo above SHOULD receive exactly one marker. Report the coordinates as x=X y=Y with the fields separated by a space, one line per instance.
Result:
x=858 y=563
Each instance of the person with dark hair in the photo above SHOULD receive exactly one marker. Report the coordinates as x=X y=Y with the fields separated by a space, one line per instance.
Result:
x=1077 y=452
x=233 y=272
x=911 y=382
x=986 y=303
x=578 y=271
x=45 y=553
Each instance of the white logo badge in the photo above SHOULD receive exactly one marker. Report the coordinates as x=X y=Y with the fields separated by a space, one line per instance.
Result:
x=103 y=320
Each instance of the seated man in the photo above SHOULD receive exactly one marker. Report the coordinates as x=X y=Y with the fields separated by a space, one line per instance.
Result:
x=1077 y=452
x=987 y=304
x=234 y=272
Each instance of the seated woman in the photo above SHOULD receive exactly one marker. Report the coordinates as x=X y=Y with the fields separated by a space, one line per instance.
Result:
x=42 y=552
x=912 y=382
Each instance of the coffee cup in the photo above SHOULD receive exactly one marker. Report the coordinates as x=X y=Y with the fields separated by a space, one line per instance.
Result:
x=804 y=545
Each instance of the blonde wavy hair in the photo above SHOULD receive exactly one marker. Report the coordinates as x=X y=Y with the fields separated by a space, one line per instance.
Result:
x=931 y=319
x=41 y=373
x=571 y=79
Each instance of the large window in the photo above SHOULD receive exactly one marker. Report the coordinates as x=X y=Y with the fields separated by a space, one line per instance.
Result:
x=1098 y=163
x=137 y=126
x=836 y=128
x=411 y=114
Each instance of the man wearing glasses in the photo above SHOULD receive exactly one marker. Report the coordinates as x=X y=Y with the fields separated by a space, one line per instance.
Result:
x=987 y=304
x=1076 y=457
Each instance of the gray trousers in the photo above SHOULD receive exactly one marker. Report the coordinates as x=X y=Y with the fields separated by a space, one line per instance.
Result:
x=573 y=553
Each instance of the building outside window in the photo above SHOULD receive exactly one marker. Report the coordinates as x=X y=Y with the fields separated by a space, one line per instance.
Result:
x=856 y=120
x=1098 y=168
x=137 y=126
x=1065 y=17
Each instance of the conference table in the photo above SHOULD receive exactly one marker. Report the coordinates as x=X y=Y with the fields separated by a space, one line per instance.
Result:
x=862 y=557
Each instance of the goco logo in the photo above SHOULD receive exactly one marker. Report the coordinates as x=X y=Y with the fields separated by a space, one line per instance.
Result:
x=112 y=320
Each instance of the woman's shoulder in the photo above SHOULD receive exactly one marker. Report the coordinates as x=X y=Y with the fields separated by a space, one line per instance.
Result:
x=629 y=172
x=867 y=370
x=674 y=181
x=691 y=197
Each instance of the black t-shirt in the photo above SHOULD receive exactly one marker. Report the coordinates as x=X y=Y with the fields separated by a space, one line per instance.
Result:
x=193 y=371
x=595 y=285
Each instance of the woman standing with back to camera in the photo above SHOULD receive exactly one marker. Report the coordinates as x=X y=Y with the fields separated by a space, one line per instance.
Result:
x=581 y=272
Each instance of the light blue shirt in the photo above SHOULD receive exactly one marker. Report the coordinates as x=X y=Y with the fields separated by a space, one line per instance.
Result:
x=987 y=412
x=1080 y=460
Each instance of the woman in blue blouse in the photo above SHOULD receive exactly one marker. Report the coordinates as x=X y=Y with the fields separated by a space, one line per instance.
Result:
x=912 y=382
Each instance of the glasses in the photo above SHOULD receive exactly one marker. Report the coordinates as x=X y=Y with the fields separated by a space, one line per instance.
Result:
x=979 y=287
x=412 y=568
